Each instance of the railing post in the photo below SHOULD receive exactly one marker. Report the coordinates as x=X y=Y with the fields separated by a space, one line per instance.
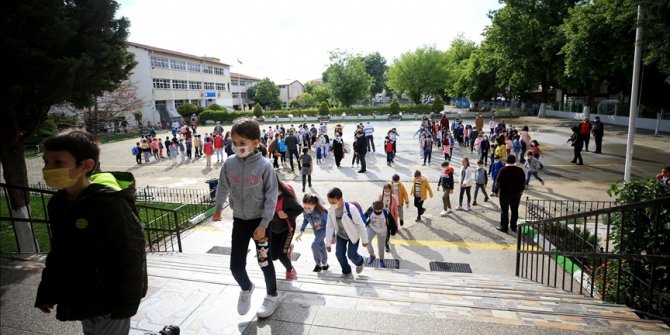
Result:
x=518 y=245
x=178 y=231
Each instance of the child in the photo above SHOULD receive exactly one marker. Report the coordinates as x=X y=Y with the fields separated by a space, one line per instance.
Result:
x=167 y=146
x=189 y=147
x=377 y=227
x=138 y=153
x=160 y=149
x=481 y=180
x=182 y=149
x=533 y=166
x=420 y=190
x=485 y=146
x=282 y=228
x=446 y=147
x=146 y=150
x=388 y=148
x=96 y=269
x=173 y=152
x=196 y=145
x=154 y=148
x=345 y=221
x=401 y=193
x=446 y=181
x=208 y=149
x=318 y=147
x=306 y=169
x=509 y=145
x=250 y=182
x=390 y=204
x=493 y=171
x=467 y=179
x=516 y=147
x=316 y=216
x=427 y=149
x=537 y=152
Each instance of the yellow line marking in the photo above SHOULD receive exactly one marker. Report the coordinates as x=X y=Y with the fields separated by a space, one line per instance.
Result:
x=468 y=245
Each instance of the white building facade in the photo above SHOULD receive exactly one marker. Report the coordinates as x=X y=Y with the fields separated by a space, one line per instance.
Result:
x=290 y=91
x=239 y=84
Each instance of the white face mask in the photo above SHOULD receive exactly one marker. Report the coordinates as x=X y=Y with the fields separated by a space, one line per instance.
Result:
x=242 y=152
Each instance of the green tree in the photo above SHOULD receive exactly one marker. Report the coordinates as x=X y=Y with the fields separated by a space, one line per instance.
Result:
x=438 y=105
x=305 y=100
x=457 y=59
x=186 y=110
x=480 y=75
x=216 y=107
x=346 y=78
x=321 y=93
x=61 y=52
x=394 y=106
x=323 y=108
x=657 y=34
x=266 y=93
x=420 y=72
x=375 y=66
x=258 y=110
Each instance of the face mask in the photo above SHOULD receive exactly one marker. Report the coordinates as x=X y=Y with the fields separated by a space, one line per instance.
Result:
x=242 y=152
x=378 y=212
x=387 y=193
x=58 y=178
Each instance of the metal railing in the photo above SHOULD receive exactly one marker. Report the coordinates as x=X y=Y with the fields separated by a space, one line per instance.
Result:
x=545 y=209
x=617 y=254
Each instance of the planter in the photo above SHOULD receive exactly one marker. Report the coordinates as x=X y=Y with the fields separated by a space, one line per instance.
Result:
x=260 y=119
x=395 y=117
x=324 y=118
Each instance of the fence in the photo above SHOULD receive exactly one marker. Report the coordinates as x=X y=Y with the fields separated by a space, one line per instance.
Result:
x=546 y=209
x=28 y=231
x=618 y=254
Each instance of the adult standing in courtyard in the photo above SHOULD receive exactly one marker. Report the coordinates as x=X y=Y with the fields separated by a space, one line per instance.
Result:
x=479 y=123
x=361 y=148
x=369 y=131
x=292 y=142
x=585 y=132
x=510 y=184
x=598 y=132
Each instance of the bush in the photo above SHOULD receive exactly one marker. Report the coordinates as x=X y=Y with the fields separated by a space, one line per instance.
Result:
x=186 y=110
x=221 y=116
x=394 y=107
x=438 y=105
x=258 y=110
x=216 y=107
x=323 y=108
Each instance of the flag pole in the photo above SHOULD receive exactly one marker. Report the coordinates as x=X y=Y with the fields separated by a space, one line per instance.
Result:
x=634 y=97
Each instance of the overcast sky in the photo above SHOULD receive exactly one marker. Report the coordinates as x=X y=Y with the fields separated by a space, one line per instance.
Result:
x=290 y=39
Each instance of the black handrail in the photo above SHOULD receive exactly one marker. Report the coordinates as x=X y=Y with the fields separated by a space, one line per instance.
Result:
x=604 y=270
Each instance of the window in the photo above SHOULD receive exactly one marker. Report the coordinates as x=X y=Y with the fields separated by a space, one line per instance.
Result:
x=235 y=82
x=195 y=85
x=177 y=64
x=236 y=95
x=178 y=103
x=194 y=67
x=220 y=87
x=220 y=71
x=161 y=105
x=207 y=69
x=243 y=83
x=160 y=62
x=244 y=95
x=179 y=84
x=162 y=83
x=209 y=86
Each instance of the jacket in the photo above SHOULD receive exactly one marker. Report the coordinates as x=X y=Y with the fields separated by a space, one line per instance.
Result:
x=481 y=177
x=292 y=208
x=425 y=188
x=468 y=179
x=403 y=198
x=354 y=227
x=446 y=179
x=97 y=263
x=393 y=208
x=361 y=145
x=251 y=184
x=313 y=219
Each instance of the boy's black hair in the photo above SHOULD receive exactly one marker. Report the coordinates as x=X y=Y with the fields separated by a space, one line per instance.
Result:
x=305 y=150
x=377 y=205
x=417 y=173
x=81 y=144
x=497 y=157
x=445 y=164
x=334 y=193
x=247 y=128
x=395 y=177
x=480 y=162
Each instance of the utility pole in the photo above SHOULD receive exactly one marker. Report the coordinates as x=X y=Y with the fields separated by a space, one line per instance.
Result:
x=634 y=96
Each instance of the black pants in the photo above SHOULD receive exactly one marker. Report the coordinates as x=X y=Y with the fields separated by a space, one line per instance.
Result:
x=281 y=242
x=509 y=202
x=306 y=178
x=361 y=156
x=138 y=158
x=427 y=155
x=243 y=231
x=522 y=159
x=578 y=155
x=465 y=190
x=355 y=158
x=480 y=187
x=485 y=157
x=291 y=153
x=371 y=143
x=599 y=143
x=418 y=203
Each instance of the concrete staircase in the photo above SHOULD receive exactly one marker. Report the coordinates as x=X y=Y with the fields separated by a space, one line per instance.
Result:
x=198 y=292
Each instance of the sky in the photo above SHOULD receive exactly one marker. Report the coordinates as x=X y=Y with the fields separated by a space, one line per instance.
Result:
x=290 y=40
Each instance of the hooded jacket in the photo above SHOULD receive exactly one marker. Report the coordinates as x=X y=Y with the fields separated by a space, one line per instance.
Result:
x=97 y=262
x=447 y=179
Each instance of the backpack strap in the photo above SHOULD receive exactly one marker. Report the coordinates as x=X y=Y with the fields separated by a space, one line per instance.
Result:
x=279 y=208
x=346 y=204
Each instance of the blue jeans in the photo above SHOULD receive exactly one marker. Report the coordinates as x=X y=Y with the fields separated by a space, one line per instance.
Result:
x=319 y=247
x=345 y=248
x=534 y=174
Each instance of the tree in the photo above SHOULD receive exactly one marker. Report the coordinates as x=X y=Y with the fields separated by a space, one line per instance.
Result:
x=657 y=34
x=394 y=107
x=375 y=66
x=305 y=100
x=266 y=93
x=417 y=73
x=258 y=110
x=322 y=93
x=438 y=105
x=216 y=107
x=457 y=59
x=186 y=110
x=323 y=108
x=480 y=75
x=113 y=106
x=346 y=78
x=61 y=51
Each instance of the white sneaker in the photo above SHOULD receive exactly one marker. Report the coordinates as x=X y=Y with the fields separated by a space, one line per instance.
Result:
x=244 y=301
x=448 y=210
x=467 y=209
x=459 y=208
x=443 y=213
x=359 y=268
x=268 y=307
x=347 y=276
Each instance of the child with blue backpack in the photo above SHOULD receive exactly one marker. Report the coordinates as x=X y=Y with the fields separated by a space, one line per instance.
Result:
x=347 y=221
x=316 y=216
x=516 y=147
x=493 y=171
x=378 y=222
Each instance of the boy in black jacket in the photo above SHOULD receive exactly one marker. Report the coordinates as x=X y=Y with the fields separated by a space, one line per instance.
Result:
x=96 y=269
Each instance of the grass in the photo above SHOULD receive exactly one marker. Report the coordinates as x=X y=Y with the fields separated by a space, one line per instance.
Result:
x=110 y=138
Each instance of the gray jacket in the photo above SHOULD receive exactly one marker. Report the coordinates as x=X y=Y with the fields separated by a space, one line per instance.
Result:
x=481 y=176
x=251 y=184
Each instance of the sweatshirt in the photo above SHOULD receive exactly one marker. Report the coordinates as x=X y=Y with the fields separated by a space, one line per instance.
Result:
x=251 y=184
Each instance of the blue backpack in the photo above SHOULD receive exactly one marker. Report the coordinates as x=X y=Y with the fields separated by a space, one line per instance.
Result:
x=134 y=151
x=360 y=211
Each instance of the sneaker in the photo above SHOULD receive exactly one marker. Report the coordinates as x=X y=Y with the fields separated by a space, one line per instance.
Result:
x=542 y=182
x=244 y=301
x=449 y=210
x=371 y=260
x=492 y=194
x=467 y=209
x=381 y=264
x=459 y=208
x=443 y=213
x=291 y=275
x=268 y=307
x=325 y=267
x=474 y=204
x=359 y=268
x=423 y=210
x=486 y=200
x=171 y=329
x=317 y=268
x=388 y=248
x=347 y=276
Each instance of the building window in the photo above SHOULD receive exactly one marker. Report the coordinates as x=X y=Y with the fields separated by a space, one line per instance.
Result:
x=236 y=95
x=193 y=67
x=209 y=86
x=244 y=95
x=220 y=87
x=179 y=84
x=207 y=69
x=195 y=85
x=162 y=83
x=161 y=105
x=178 y=103
x=220 y=71
x=160 y=62
x=177 y=64
x=235 y=82
x=243 y=83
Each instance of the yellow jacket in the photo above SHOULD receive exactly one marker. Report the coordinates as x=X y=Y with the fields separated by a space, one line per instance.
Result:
x=403 y=198
x=425 y=188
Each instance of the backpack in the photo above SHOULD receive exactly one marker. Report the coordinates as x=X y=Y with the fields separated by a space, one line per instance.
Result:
x=360 y=210
x=135 y=151
x=393 y=226
x=229 y=147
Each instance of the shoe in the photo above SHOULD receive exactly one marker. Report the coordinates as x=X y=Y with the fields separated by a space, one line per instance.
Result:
x=542 y=182
x=388 y=248
x=171 y=329
x=268 y=307
x=317 y=268
x=418 y=219
x=467 y=209
x=423 y=210
x=573 y=161
x=501 y=230
x=292 y=275
x=459 y=208
x=361 y=171
x=244 y=301
x=310 y=185
x=448 y=210
x=492 y=194
x=513 y=230
x=359 y=268
x=580 y=163
x=325 y=267
x=371 y=260
x=381 y=264
x=402 y=223
x=474 y=204
x=443 y=213
x=486 y=200
x=347 y=276
x=424 y=164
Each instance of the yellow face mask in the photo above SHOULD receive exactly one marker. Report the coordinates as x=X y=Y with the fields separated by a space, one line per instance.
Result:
x=58 y=178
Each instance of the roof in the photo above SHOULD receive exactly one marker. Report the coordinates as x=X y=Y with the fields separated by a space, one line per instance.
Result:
x=290 y=82
x=242 y=76
x=177 y=53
